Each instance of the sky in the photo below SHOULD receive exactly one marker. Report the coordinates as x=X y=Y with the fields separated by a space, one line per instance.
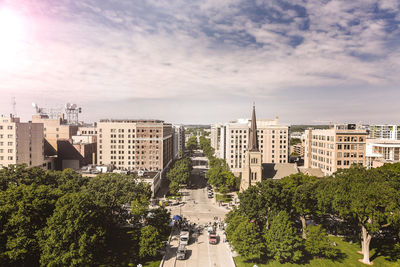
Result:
x=203 y=61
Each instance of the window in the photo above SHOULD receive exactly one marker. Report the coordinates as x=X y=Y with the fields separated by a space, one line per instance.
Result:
x=9 y=127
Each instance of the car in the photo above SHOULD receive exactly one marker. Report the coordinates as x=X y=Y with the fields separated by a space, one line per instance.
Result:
x=210 y=195
x=213 y=239
x=181 y=252
x=184 y=239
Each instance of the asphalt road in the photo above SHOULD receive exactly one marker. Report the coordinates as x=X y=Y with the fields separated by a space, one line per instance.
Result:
x=199 y=209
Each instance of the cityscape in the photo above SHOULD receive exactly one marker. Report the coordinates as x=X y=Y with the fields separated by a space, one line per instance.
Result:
x=199 y=133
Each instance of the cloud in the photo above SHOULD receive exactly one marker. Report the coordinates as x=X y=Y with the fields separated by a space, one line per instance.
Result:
x=90 y=51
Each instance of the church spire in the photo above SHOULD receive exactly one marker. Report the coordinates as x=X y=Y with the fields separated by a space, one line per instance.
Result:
x=253 y=144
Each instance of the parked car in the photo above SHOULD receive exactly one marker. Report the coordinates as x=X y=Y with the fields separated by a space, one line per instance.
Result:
x=181 y=252
x=184 y=239
x=210 y=195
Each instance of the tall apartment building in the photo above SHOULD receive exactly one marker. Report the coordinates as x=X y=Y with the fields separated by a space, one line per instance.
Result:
x=54 y=130
x=215 y=137
x=336 y=148
x=21 y=142
x=135 y=144
x=384 y=132
x=178 y=140
x=234 y=137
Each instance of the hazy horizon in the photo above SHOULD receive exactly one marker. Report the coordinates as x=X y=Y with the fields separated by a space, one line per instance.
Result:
x=201 y=62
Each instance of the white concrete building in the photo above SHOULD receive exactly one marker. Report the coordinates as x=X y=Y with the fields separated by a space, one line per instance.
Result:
x=178 y=136
x=381 y=151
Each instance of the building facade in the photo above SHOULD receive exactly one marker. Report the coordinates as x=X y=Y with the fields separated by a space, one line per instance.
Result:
x=273 y=141
x=54 y=130
x=178 y=140
x=336 y=148
x=381 y=151
x=21 y=143
x=391 y=132
x=135 y=144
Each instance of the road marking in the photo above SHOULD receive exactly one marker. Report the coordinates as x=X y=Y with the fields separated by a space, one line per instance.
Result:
x=209 y=259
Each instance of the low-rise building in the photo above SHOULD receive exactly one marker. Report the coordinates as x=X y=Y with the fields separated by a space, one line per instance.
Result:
x=381 y=151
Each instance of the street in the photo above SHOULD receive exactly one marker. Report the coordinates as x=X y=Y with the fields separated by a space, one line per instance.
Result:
x=199 y=209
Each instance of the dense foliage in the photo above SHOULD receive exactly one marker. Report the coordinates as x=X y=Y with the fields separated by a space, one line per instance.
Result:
x=358 y=203
x=179 y=174
x=52 y=218
x=191 y=143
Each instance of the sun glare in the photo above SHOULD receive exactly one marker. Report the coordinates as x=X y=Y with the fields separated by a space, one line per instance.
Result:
x=11 y=36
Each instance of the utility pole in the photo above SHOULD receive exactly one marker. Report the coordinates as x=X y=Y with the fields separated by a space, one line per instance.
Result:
x=14 y=106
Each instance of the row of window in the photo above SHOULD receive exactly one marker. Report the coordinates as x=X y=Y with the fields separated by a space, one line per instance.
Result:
x=8 y=143
x=9 y=127
x=133 y=130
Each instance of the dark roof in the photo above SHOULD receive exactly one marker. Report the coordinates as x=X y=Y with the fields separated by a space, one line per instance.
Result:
x=278 y=170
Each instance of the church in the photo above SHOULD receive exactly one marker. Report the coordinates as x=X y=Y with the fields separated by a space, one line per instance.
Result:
x=254 y=170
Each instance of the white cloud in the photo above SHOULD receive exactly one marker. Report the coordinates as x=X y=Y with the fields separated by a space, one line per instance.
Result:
x=180 y=49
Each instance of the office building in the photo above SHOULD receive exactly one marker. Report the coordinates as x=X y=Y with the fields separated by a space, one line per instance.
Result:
x=135 y=144
x=21 y=142
x=234 y=137
x=336 y=148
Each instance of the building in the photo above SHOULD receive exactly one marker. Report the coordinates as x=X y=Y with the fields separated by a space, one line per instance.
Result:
x=381 y=151
x=391 y=132
x=21 y=142
x=336 y=148
x=179 y=140
x=215 y=138
x=233 y=141
x=54 y=129
x=254 y=170
x=252 y=167
x=135 y=144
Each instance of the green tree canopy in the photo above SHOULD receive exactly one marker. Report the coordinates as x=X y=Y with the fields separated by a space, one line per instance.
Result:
x=283 y=244
x=75 y=234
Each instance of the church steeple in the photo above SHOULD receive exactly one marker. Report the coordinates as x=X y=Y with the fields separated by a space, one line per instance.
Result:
x=253 y=143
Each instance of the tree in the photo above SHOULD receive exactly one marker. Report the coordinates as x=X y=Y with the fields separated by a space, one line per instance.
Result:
x=368 y=197
x=318 y=243
x=245 y=237
x=75 y=234
x=150 y=241
x=179 y=174
x=191 y=143
x=160 y=218
x=300 y=191
x=23 y=213
x=283 y=244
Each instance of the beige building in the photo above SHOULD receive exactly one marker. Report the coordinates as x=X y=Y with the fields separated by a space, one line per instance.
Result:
x=54 y=130
x=21 y=142
x=135 y=144
x=273 y=141
x=336 y=148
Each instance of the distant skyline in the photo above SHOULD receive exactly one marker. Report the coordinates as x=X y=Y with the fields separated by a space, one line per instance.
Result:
x=203 y=61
